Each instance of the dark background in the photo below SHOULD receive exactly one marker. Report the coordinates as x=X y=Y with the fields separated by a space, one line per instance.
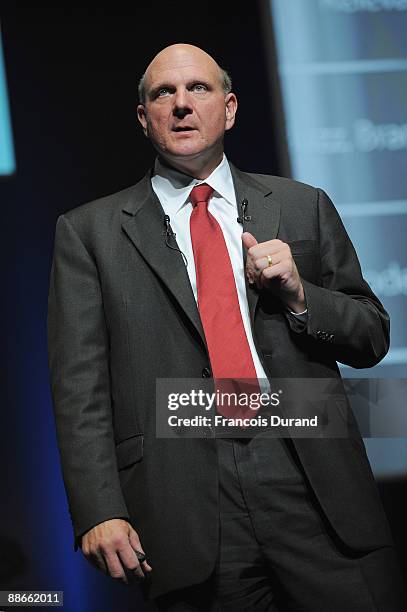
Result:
x=72 y=79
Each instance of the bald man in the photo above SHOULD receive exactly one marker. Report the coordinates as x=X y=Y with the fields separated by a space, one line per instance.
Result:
x=144 y=286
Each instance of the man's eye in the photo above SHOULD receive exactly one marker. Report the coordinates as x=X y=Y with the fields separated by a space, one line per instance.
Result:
x=163 y=92
x=199 y=88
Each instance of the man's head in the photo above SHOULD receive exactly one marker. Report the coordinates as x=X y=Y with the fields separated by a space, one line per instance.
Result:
x=185 y=108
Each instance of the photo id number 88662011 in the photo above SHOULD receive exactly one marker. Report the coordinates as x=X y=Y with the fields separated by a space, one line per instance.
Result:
x=31 y=598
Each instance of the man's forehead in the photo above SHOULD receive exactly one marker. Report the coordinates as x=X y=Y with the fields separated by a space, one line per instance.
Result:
x=187 y=67
x=185 y=60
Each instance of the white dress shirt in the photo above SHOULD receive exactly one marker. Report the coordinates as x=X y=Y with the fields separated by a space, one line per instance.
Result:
x=173 y=189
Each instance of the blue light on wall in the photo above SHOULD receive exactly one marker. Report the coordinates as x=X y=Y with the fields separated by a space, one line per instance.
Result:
x=7 y=160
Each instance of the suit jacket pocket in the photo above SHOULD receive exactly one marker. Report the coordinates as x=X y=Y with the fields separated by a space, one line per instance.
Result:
x=300 y=247
x=129 y=451
x=304 y=253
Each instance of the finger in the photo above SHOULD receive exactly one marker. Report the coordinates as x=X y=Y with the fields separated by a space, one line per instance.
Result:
x=263 y=262
x=115 y=567
x=136 y=545
x=140 y=555
x=130 y=562
x=271 y=247
x=248 y=240
x=251 y=271
x=146 y=567
x=250 y=274
x=274 y=272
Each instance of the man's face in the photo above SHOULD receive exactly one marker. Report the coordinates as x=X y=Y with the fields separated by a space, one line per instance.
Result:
x=186 y=111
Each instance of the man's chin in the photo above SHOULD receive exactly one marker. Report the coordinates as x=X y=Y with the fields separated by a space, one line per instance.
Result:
x=189 y=159
x=176 y=158
x=186 y=152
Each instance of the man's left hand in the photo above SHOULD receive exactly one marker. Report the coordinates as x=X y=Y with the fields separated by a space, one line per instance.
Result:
x=271 y=265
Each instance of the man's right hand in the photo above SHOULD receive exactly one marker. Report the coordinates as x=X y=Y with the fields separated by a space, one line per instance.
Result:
x=111 y=547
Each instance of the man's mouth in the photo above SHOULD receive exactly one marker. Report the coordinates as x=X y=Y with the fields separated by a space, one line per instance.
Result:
x=183 y=129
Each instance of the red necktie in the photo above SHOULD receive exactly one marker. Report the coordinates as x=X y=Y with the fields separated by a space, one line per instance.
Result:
x=218 y=303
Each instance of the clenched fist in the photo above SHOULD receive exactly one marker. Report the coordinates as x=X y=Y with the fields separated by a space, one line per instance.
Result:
x=111 y=547
x=280 y=275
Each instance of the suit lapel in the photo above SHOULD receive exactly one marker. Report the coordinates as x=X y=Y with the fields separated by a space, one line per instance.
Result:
x=264 y=213
x=144 y=225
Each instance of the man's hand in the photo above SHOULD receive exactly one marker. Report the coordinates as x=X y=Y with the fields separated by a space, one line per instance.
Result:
x=111 y=547
x=281 y=277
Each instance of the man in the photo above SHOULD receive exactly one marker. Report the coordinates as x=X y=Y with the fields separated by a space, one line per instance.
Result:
x=144 y=285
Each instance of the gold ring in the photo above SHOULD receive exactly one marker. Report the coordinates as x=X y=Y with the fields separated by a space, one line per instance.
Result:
x=269 y=260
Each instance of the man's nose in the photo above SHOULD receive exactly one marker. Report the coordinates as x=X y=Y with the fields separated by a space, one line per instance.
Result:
x=182 y=106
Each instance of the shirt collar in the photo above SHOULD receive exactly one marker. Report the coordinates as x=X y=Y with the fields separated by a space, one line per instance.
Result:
x=174 y=186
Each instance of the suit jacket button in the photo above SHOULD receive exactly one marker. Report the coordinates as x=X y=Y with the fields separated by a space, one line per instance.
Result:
x=206 y=373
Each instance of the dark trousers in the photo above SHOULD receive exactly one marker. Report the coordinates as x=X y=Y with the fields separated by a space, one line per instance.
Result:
x=277 y=552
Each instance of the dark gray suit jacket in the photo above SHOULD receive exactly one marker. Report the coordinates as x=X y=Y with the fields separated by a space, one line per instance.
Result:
x=122 y=313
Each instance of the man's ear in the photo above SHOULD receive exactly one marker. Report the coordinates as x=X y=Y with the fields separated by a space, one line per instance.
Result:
x=141 y=116
x=230 y=110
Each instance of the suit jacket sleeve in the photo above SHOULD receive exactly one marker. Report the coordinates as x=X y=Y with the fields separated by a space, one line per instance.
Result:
x=79 y=369
x=344 y=316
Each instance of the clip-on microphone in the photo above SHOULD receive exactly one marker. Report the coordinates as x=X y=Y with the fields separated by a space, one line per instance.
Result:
x=243 y=217
x=168 y=233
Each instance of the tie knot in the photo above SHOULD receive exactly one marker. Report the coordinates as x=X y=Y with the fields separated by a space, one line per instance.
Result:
x=201 y=193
